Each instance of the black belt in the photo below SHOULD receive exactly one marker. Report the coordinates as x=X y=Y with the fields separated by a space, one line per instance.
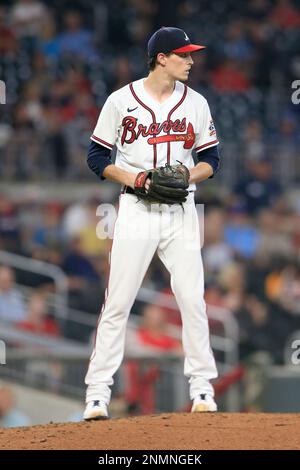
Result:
x=128 y=190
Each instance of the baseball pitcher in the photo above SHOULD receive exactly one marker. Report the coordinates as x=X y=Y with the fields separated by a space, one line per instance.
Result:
x=155 y=123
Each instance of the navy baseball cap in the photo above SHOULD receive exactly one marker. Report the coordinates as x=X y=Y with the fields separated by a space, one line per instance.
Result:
x=168 y=39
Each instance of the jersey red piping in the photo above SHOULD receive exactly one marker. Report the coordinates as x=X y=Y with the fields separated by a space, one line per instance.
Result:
x=169 y=116
x=153 y=120
x=102 y=141
x=105 y=296
x=206 y=145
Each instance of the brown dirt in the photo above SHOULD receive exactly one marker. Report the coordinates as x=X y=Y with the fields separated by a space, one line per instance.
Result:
x=163 y=432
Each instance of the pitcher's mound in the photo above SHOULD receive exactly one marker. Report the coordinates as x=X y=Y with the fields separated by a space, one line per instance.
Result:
x=164 y=432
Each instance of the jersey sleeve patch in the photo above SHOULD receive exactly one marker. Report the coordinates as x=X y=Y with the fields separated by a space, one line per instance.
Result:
x=211 y=128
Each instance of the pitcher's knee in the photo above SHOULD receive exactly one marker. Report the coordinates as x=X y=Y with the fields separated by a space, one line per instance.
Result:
x=193 y=304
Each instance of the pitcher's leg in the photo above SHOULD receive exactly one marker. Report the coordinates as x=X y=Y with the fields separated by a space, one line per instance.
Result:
x=182 y=257
x=130 y=258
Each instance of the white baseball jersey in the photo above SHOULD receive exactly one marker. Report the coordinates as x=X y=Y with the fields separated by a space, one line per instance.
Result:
x=148 y=134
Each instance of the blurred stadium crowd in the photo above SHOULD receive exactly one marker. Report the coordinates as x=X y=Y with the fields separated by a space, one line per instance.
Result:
x=60 y=60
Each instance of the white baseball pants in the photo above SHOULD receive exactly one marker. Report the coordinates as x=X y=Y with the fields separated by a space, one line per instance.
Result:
x=140 y=230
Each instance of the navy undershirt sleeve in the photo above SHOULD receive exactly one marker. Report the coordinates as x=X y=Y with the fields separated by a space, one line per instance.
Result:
x=98 y=158
x=212 y=157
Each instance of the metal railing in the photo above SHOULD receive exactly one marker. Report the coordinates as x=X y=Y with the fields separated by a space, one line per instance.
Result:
x=227 y=343
x=23 y=361
x=41 y=267
x=30 y=356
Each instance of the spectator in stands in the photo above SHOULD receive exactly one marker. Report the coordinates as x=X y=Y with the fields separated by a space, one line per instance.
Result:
x=265 y=55
x=283 y=287
x=258 y=189
x=49 y=44
x=94 y=241
x=78 y=267
x=83 y=113
x=33 y=105
x=288 y=132
x=232 y=281
x=168 y=306
x=37 y=319
x=8 y=41
x=123 y=73
x=255 y=147
x=236 y=45
x=38 y=322
x=229 y=78
x=214 y=295
x=50 y=232
x=286 y=141
x=36 y=279
x=40 y=73
x=216 y=252
x=255 y=324
x=240 y=234
x=263 y=326
x=75 y=40
x=85 y=283
x=9 y=225
x=151 y=338
x=285 y=15
x=56 y=156
x=153 y=333
x=74 y=218
x=10 y=415
x=28 y=19
x=12 y=306
x=251 y=32
x=275 y=240
x=257 y=10
x=22 y=156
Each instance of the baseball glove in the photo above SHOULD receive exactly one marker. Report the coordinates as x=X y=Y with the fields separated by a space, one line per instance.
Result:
x=168 y=184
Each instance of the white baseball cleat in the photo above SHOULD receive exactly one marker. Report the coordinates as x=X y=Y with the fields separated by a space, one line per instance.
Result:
x=96 y=410
x=204 y=403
